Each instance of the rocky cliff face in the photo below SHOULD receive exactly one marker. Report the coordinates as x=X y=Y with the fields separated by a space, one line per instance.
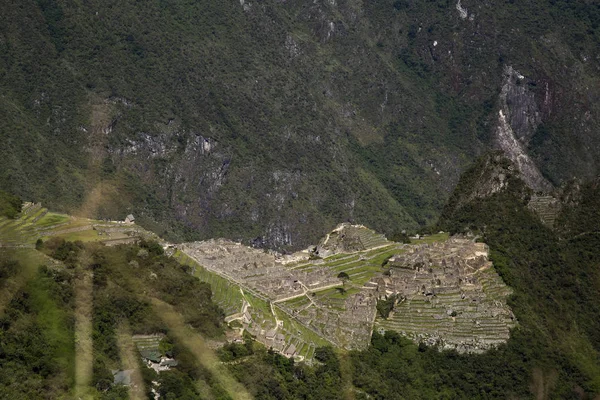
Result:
x=518 y=120
x=491 y=174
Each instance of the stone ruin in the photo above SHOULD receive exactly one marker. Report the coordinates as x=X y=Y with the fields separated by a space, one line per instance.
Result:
x=347 y=238
x=447 y=293
x=261 y=271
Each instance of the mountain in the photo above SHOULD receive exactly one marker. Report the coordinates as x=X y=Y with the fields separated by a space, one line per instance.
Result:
x=272 y=121
x=77 y=318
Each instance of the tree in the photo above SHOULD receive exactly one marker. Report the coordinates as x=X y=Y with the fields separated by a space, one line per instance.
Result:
x=384 y=307
x=343 y=277
x=400 y=237
x=10 y=205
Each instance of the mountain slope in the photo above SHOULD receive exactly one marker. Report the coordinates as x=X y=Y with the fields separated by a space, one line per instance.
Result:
x=271 y=122
x=555 y=279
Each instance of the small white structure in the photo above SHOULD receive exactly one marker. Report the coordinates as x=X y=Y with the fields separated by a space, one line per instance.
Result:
x=130 y=219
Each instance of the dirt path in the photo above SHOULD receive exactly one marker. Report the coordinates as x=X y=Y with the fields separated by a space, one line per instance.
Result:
x=196 y=344
x=84 y=352
x=278 y=322
x=129 y=361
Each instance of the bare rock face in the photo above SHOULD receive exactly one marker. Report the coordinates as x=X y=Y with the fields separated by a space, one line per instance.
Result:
x=518 y=118
x=519 y=104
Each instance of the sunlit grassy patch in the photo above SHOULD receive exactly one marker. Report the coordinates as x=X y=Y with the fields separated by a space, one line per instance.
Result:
x=438 y=237
x=51 y=219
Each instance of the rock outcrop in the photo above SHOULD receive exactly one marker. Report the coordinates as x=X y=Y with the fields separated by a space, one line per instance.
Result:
x=518 y=119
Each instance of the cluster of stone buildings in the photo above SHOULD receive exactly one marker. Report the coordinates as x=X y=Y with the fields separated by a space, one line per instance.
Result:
x=446 y=292
x=449 y=294
x=259 y=270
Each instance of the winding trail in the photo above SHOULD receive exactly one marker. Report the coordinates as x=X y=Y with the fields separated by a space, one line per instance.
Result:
x=278 y=322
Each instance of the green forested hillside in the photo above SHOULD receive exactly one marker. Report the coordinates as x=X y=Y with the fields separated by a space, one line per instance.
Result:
x=36 y=343
x=273 y=121
x=61 y=334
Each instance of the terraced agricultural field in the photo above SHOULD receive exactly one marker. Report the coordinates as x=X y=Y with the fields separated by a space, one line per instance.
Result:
x=297 y=302
x=229 y=297
x=52 y=220
x=437 y=237
x=260 y=310
x=305 y=339
x=449 y=294
x=330 y=291
x=36 y=222
x=547 y=207
x=266 y=321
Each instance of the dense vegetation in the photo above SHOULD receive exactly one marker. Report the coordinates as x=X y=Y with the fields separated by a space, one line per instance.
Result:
x=37 y=328
x=10 y=205
x=274 y=121
x=36 y=337
x=125 y=278
x=8 y=268
x=271 y=376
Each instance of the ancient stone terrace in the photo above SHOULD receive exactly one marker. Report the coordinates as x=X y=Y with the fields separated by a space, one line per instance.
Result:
x=447 y=290
x=546 y=207
x=340 y=312
x=448 y=294
x=257 y=269
x=347 y=238
x=36 y=222
x=344 y=319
